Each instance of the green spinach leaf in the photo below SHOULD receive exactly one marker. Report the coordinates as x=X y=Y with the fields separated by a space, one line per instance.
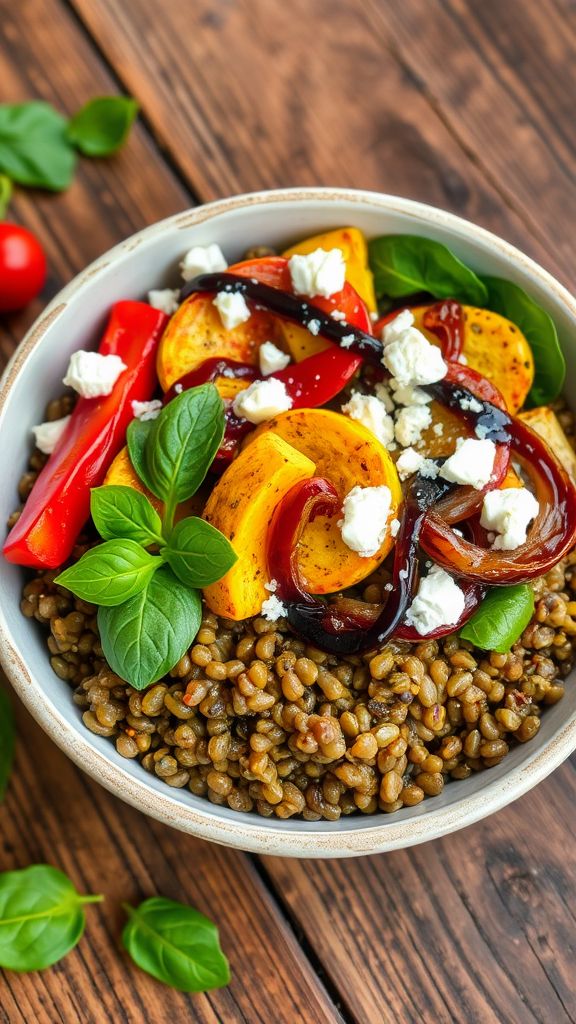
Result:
x=34 y=149
x=125 y=512
x=501 y=618
x=405 y=264
x=110 y=573
x=7 y=741
x=41 y=917
x=182 y=444
x=175 y=944
x=145 y=636
x=102 y=125
x=198 y=553
x=539 y=329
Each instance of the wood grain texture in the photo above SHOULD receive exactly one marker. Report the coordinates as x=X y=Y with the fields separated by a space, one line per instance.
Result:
x=468 y=106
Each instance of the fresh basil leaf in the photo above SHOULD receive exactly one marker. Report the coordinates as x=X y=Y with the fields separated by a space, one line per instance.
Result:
x=144 y=638
x=198 y=553
x=110 y=573
x=7 y=741
x=539 y=329
x=34 y=149
x=41 y=917
x=183 y=442
x=405 y=264
x=501 y=618
x=136 y=438
x=175 y=944
x=5 y=194
x=125 y=512
x=102 y=125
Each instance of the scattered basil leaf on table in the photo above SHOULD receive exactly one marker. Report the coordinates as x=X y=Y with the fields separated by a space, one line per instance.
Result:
x=34 y=149
x=501 y=618
x=197 y=551
x=7 y=741
x=110 y=573
x=181 y=446
x=136 y=437
x=41 y=917
x=539 y=329
x=102 y=125
x=125 y=512
x=175 y=944
x=144 y=637
x=405 y=264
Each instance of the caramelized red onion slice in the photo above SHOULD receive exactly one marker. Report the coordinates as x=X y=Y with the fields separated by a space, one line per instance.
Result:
x=300 y=506
x=445 y=320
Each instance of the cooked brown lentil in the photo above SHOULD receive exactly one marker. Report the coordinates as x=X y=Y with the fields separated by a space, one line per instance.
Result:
x=254 y=719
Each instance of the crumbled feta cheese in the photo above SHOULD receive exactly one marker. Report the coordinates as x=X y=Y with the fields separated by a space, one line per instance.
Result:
x=405 y=394
x=178 y=388
x=313 y=326
x=508 y=512
x=202 y=259
x=439 y=602
x=471 y=405
x=272 y=586
x=394 y=527
x=408 y=355
x=93 y=375
x=347 y=341
x=472 y=463
x=147 y=410
x=382 y=392
x=273 y=609
x=410 y=422
x=438 y=429
x=165 y=299
x=321 y=272
x=233 y=309
x=370 y=411
x=366 y=513
x=272 y=358
x=262 y=400
x=48 y=434
x=410 y=461
x=337 y=314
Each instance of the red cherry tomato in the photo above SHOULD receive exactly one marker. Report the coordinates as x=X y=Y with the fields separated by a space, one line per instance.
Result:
x=22 y=267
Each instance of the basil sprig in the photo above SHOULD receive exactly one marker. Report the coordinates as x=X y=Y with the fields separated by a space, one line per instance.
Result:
x=101 y=126
x=539 y=329
x=406 y=264
x=41 y=917
x=175 y=944
x=7 y=741
x=150 y=609
x=501 y=618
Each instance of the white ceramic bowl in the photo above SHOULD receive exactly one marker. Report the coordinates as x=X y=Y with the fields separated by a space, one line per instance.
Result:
x=73 y=320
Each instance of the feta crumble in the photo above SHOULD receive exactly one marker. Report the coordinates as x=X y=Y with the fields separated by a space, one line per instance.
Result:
x=408 y=355
x=347 y=341
x=366 y=512
x=438 y=429
x=164 y=299
x=321 y=272
x=272 y=586
x=410 y=422
x=394 y=527
x=439 y=601
x=147 y=410
x=508 y=513
x=405 y=394
x=202 y=259
x=273 y=609
x=313 y=326
x=370 y=411
x=47 y=435
x=272 y=358
x=233 y=309
x=471 y=405
x=337 y=314
x=472 y=463
x=262 y=400
x=93 y=375
x=382 y=392
x=410 y=461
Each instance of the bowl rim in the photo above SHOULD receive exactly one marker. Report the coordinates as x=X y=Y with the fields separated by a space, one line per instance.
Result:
x=245 y=833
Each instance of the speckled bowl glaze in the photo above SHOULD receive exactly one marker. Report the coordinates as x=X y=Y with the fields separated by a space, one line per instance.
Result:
x=73 y=320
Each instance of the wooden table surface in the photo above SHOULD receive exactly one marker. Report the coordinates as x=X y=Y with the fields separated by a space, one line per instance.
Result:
x=468 y=105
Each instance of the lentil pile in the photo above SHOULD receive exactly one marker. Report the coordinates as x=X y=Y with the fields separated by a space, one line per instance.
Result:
x=254 y=719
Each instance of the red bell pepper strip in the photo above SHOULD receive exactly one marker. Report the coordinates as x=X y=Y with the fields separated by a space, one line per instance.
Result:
x=300 y=506
x=59 y=503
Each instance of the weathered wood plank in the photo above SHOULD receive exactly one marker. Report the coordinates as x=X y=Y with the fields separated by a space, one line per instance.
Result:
x=477 y=927
x=251 y=95
x=55 y=814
